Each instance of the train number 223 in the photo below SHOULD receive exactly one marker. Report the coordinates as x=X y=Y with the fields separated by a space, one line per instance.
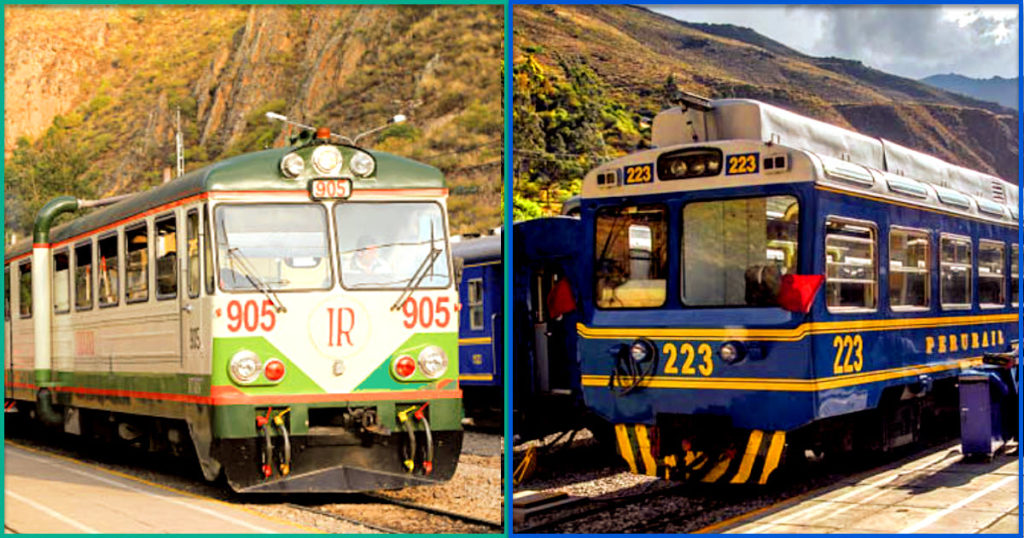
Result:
x=849 y=354
x=687 y=353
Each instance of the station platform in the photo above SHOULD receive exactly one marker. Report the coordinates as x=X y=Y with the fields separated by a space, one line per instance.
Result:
x=45 y=493
x=934 y=493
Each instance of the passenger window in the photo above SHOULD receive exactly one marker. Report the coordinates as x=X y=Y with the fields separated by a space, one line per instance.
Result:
x=851 y=274
x=991 y=276
x=25 y=289
x=83 y=276
x=1014 y=275
x=192 y=245
x=208 y=252
x=166 y=244
x=630 y=265
x=7 y=293
x=909 y=269
x=955 y=273
x=475 y=294
x=61 y=282
x=136 y=268
x=108 y=271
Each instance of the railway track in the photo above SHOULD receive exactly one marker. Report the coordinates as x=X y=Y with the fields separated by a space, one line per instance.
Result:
x=471 y=523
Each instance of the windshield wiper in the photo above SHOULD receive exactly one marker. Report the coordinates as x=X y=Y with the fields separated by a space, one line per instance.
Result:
x=426 y=267
x=253 y=276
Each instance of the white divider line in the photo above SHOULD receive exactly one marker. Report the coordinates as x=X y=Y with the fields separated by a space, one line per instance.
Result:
x=180 y=502
x=52 y=513
x=955 y=506
x=847 y=495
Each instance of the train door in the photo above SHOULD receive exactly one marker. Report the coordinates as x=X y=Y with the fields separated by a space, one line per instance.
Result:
x=192 y=315
x=548 y=308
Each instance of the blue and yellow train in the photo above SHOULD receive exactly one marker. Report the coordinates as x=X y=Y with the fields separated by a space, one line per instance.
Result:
x=761 y=284
x=480 y=325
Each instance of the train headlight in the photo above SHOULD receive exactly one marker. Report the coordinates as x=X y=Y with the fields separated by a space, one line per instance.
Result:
x=362 y=164
x=732 y=352
x=244 y=367
x=433 y=362
x=702 y=162
x=327 y=160
x=640 y=351
x=292 y=165
x=273 y=370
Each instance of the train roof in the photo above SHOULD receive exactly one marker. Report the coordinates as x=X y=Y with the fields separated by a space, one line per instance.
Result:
x=836 y=156
x=478 y=249
x=250 y=172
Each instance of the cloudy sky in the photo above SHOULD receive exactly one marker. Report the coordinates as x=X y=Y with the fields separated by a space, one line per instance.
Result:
x=908 y=40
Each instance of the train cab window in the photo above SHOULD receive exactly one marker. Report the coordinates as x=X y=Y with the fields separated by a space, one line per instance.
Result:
x=208 y=253
x=851 y=266
x=991 y=274
x=630 y=262
x=475 y=295
x=61 y=282
x=136 y=266
x=165 y=244
x=7 y=292
x=192 y=249
x=1014 y=275
x=25 y=289
x=909 y=269
x=107 y=274
x=735 y=252
x=83 y=276
x=955 y=272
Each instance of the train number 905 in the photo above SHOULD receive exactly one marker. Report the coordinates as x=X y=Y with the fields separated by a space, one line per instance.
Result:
x=426 y=313
x=250 y=316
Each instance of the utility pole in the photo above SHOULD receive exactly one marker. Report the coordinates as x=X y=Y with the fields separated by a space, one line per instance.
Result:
x=180 y=143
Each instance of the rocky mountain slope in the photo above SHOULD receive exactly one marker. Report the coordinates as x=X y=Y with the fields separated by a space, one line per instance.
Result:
x=637 y=61
x=91 y=93
x=996 y=89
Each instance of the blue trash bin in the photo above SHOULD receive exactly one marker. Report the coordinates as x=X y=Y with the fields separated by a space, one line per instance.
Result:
x=982 y=393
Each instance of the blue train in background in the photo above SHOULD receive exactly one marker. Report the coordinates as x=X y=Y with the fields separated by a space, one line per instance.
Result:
x=547 y=395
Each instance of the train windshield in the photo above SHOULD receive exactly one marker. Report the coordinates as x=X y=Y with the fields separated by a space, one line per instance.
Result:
x=630 y=262
x=273 y=246
x=735 y=252
x=392 y=245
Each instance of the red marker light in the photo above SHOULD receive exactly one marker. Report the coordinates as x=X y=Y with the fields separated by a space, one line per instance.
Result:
x=323 y=133
x=405 y=366
x=274 y=370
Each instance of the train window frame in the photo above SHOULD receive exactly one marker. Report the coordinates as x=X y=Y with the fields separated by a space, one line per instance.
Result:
x=24 y=269
x=209 y=262
x=683 y=247
x=927 y=234
x=595 y=260
x=876 y=259
x=1014 y=275
x=90 y=287
x=970 y=267
x=1000 y=278
x=192 y=227
x=7 y=293
x=475 y=304
x=336 y=252
x=216 y=251
x=116 y=236
x=66 y=253
x=144 y=266
x=157 y=221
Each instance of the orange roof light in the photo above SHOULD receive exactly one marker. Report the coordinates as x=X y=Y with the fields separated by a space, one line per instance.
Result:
x=323 y=133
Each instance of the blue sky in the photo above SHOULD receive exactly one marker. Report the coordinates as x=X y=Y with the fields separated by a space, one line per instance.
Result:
x=907 y=40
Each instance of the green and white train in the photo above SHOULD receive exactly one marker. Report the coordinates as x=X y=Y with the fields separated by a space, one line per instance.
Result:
x=289 y=313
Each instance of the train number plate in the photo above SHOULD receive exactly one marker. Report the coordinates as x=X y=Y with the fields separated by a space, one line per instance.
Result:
x=327 y=189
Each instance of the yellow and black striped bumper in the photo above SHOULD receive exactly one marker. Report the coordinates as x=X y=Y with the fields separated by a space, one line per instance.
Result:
x=759 y=459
